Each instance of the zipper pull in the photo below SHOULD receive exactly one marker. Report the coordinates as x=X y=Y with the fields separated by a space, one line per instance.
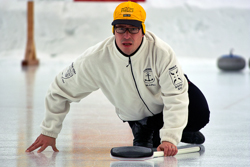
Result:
x=129 y=62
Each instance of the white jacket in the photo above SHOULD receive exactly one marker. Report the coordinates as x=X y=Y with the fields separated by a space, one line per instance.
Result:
x=152 y=81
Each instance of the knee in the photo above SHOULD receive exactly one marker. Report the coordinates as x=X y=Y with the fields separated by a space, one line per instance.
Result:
x=204 y=117
x=198 y=119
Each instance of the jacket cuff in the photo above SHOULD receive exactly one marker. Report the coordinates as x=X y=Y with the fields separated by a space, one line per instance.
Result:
x=50 y=134
x=172 y=138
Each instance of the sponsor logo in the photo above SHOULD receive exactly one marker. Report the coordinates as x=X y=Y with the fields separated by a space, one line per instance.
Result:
x=174 y=74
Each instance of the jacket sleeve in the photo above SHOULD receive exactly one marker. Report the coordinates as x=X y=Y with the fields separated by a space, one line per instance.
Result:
x=174 y=94
x=71 y=85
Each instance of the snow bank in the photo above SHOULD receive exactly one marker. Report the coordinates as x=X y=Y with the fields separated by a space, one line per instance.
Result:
x=193 y=28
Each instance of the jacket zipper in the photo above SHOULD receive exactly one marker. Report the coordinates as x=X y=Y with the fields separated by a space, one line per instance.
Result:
x=130 y=64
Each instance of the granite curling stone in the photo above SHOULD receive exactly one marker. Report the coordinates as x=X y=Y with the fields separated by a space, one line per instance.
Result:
x=231 y=62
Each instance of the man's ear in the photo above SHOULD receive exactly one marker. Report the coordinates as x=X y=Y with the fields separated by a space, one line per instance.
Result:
x=113 y=29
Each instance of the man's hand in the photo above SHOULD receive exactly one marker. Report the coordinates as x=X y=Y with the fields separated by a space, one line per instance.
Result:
x=168 y=148
x=43 y=142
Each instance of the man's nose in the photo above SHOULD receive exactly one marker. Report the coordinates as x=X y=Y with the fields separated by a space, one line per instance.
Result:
x=126 y=34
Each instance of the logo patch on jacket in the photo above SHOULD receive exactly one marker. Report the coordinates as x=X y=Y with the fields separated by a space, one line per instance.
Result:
x=148 y=77
x=176 y=79
x=70 y=72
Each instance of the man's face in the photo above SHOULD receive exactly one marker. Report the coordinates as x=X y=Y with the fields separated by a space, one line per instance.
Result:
x=127 y=42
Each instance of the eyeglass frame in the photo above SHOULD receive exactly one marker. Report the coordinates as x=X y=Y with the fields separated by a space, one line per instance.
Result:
x=127 y=29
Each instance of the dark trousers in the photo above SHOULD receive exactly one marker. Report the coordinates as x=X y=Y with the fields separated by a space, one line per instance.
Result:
x=198 y=117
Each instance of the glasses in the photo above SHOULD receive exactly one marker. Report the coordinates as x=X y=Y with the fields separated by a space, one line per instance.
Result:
x=122 y=30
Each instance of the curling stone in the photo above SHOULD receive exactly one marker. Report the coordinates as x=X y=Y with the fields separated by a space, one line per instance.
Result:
x=249 y=63
x=231 y=62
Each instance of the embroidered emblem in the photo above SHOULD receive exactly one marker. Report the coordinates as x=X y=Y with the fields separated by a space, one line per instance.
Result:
x=174 y=74
x=68 y=73
x=127 y=9
x=148 y=77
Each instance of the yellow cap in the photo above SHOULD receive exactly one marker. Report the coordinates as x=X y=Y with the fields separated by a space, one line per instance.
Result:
x=130 y=13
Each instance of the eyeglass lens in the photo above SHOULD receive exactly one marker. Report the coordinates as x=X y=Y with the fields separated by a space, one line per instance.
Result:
x=122 y=30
